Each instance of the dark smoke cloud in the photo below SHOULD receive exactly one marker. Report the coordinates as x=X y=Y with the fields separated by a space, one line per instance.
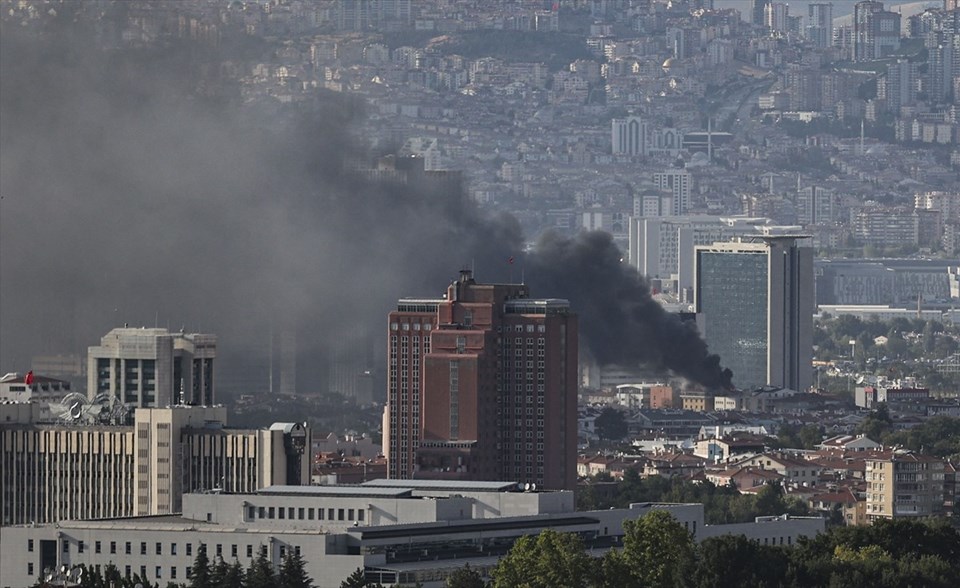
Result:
x=128 y=199
x=618 y=316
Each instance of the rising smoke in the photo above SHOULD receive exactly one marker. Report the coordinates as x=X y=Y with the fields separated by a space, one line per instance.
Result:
x=127 y=197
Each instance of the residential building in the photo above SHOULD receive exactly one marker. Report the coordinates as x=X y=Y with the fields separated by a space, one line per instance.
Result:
x=876 y=31
x=819 y=28
x=52 y=472
x=904 y=484
x=678 y=182
x=497 y=394
x=152 y=367
x=755 y=303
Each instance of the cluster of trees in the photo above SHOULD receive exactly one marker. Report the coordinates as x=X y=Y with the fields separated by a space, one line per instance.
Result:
x=721 y=504
x=658 y=552
x=204 y=574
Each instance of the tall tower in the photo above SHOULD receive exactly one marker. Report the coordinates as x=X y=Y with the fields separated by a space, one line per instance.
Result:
x=482 y=385
x=755 y=303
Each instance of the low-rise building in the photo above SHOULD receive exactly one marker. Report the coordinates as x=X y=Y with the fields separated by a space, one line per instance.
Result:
x=397 y=531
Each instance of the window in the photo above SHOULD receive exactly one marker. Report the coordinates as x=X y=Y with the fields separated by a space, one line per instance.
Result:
x=79 y=546
x=189 y=552
x=261 y=512
x=173 y=549
x=310 y=514
x=350 y=514
x=290 y=513
x=96 y=547
x=233 y=550
x=300 y=513
x=360 y=512
x=270 y=513
x=249 y=550
x=282 y=512
x=143 y=548
x=66 y=546
x=126 y=571
x=173 y=572
x=219 y=549
x=30 y=545
x=113 y=548
x=251 y=512
x=159 y=548
x=340 y=514
x=30 y=568
x=158 y=572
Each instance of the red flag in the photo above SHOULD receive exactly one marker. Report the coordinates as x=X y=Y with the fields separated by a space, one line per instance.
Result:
x=510 y=260
x=28 y=379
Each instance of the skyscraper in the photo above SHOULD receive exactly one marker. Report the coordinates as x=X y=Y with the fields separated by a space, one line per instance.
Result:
x=755 y=303
x=482 y=385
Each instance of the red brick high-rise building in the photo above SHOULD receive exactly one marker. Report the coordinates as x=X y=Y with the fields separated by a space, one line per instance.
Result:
x=482 y=385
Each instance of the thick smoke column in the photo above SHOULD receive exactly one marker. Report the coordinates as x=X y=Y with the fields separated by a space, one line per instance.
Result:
x=128 y=199
x=620 y=320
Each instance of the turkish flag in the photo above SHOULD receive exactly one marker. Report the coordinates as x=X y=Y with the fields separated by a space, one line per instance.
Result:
x=28 y=379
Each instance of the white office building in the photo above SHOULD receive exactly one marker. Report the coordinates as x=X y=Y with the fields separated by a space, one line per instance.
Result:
x=397 y=531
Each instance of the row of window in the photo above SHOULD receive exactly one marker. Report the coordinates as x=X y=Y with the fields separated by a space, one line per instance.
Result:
x=305 y=513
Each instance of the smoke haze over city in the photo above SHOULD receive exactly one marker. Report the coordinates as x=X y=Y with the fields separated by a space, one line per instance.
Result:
x=129 y=197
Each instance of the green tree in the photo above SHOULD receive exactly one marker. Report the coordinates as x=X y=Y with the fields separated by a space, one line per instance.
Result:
x=877 y=423
x=293 y=573
x=359 y=580
x=234 y=576
x=465 y=577
x=547 y=560
x=218 y=572
x=810 y=436
x=611 y=424
x=658 y=552
x=200 y=570
x=260 y=573
x=734 y=560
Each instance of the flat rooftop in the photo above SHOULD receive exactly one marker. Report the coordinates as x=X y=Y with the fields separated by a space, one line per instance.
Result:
x=443 y=485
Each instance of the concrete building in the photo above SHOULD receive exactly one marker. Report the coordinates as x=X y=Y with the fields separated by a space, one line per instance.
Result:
x=498 y=386
x=397 y=531
x=904 y=484
x=629 y=136
x=153 y=367
x=817 y=205
x=756 y=302
x=53 y=472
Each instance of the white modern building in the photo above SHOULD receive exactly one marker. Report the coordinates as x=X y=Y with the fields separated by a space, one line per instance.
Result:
x=397 y=531
x=677 y=182
x=629 y=136
x=151 y=367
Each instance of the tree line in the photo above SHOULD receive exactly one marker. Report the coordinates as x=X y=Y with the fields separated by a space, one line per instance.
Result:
x=658 y=552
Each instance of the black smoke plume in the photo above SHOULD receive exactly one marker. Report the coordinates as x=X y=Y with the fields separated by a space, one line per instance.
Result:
x=129 y=195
